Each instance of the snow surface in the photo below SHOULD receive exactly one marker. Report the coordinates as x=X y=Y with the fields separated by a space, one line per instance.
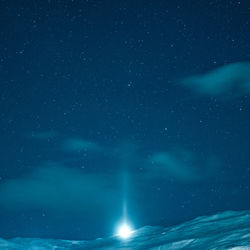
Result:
x=227 y=230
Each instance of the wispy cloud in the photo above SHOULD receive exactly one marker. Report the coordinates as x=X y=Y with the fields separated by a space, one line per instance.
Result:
x=54 y=187
x=79 y=145
x=181 y=165
x=231 y=79
x=128 y=156
x=43 y=135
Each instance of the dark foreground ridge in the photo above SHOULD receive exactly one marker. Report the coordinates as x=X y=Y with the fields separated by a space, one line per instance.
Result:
x=227 y=230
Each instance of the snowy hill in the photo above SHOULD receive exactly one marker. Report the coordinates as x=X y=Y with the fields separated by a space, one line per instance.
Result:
x=227 y=230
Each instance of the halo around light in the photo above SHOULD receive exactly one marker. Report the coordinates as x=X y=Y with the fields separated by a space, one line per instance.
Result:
x=124 y=231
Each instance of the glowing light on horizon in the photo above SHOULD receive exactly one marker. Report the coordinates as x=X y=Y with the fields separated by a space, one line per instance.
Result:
x=125 y=231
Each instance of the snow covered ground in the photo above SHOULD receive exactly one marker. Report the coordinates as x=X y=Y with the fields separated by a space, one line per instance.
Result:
x=227 y=230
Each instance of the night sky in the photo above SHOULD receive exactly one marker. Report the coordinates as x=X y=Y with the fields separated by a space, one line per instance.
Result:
x=106 y=104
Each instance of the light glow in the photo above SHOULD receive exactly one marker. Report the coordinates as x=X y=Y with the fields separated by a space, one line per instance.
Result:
x=125 y=231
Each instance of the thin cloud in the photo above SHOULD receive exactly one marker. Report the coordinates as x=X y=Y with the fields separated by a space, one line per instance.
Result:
x=232 y=80
x=43 y=135
x=53 y=187
x=79 y=145
x=182 y=165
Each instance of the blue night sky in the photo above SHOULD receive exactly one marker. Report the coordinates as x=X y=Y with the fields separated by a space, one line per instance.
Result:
x=106 y=104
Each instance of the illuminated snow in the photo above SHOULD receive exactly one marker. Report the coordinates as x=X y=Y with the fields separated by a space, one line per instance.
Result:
x=227 y=230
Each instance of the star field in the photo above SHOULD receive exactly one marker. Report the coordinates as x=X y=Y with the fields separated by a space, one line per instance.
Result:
x=90 y=90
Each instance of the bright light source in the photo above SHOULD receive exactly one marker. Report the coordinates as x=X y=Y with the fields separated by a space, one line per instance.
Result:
x=124 y=231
